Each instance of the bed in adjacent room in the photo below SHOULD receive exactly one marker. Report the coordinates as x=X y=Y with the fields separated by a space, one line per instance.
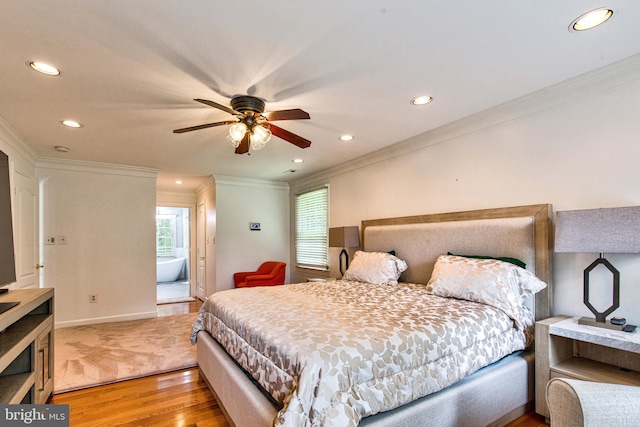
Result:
x=423 y=329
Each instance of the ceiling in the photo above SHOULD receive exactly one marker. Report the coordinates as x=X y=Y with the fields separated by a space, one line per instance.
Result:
x=131 y=69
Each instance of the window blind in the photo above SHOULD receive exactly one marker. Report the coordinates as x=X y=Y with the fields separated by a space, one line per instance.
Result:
x=312 y=211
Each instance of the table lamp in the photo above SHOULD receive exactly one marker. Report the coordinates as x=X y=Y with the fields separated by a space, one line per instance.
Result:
x=612 y=230
x=344 y=237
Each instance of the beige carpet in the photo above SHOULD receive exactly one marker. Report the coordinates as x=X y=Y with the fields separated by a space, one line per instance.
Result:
x=103 y=353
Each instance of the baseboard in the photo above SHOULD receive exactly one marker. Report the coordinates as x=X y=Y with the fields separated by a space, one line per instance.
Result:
x=108 y=319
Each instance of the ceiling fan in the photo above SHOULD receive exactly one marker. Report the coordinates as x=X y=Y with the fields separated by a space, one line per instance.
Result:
x=252 y=125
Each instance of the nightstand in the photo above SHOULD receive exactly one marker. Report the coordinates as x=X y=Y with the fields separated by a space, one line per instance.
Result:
x=569 y=350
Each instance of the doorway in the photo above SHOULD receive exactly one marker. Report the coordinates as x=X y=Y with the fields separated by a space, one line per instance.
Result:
x=173 y=225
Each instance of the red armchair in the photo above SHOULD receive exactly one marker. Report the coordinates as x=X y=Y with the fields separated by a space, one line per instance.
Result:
x=270 y=273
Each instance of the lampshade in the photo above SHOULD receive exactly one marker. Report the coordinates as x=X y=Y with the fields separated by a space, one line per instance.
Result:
x=237 y=131
x=344 y=237
x=607 y=230
x=260 y=135
x=233 y=141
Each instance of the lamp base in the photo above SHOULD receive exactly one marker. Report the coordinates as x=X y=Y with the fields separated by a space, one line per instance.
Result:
x=590 y=321
x=344 y=255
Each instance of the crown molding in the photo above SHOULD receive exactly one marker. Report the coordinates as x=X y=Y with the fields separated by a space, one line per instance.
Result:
x=250 y=182
x=15 y=141
x=570 y=90
x=95 y=167
x=207 y=184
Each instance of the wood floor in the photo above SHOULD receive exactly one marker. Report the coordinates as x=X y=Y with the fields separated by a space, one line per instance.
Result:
x=176 y=399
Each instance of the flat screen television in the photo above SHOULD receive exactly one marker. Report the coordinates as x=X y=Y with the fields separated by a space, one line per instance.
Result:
x=7 y=255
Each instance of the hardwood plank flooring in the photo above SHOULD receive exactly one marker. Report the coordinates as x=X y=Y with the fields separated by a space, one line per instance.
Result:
x=176 y=399
x=530 y=419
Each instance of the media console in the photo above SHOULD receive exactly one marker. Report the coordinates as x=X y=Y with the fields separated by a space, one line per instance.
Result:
x=26 y=346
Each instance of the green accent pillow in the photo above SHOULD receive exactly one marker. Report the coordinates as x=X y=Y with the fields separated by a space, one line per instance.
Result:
x=514 y=261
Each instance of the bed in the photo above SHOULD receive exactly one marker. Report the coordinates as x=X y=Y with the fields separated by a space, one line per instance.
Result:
x=358 y=360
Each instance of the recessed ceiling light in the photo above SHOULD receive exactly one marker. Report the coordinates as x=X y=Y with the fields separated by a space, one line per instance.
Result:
x=297 y=161
x=71 y=123
x=421 y=100
x=591 y=19
x=44 y=68
x=178 y=182
x=61 y=149
x=347 y=138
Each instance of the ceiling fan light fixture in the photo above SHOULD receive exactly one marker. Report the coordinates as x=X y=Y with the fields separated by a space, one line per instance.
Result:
x=591 y=19
x=260 y=135
x=233 y=141
x=252 y=128
x=237 y=131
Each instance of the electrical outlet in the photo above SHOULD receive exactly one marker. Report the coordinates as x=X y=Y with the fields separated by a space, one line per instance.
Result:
x=50 y=240
x=93 y=298
x=62 y=240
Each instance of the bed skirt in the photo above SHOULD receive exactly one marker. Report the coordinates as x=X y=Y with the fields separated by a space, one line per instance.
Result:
x=492 y=396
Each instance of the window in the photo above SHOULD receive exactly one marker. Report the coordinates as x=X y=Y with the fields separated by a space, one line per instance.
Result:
x=165 y=235
x=312 y=229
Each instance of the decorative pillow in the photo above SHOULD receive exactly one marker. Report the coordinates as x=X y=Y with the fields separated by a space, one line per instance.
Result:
x=496 y=283
x=514 y=261
x=375 y=267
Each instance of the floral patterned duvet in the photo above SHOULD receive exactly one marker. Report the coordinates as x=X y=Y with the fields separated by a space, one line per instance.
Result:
x=334 y=352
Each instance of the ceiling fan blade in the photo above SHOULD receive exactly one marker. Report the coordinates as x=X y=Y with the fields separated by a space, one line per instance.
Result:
x=208 y=125
x=244 y=145
x=294 y=114
x=290 y=137
x=218 y=106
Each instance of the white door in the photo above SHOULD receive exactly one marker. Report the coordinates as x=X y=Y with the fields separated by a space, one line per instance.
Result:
x=201 y=231
x=26 y=230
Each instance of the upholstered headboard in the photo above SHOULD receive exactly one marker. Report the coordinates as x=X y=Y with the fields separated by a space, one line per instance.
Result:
x=520 y=232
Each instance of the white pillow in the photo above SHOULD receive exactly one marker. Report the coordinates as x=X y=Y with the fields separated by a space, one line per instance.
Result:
x=496 y=283
x=379 y=268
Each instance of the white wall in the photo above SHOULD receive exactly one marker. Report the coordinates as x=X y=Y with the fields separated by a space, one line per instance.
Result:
x=107 y=216
x=175 y=198
x=240 y=202
x=575 y=146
